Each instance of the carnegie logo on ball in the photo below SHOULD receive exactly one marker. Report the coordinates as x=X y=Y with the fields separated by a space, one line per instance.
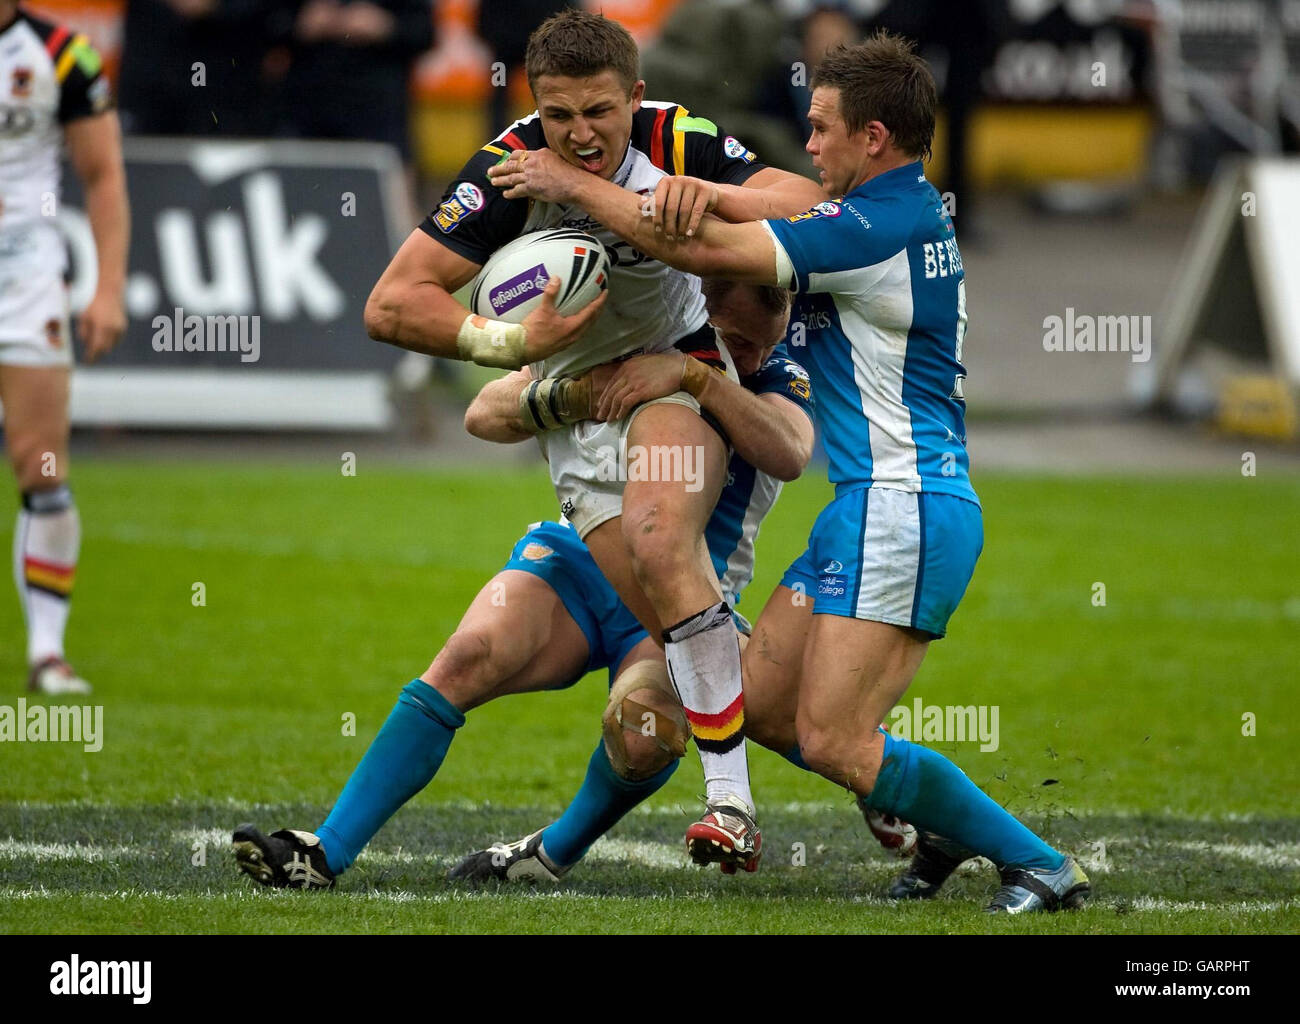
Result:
x=519 y=288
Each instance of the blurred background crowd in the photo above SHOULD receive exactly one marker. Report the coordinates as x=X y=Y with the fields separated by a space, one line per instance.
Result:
x=1033 y=90
x=1075 y=143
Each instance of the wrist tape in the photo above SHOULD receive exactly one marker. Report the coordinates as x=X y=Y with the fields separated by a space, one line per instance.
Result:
x=491 y=342
x=553 y=402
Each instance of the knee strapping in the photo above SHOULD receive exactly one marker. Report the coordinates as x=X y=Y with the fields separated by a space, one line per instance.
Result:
x=667 y=728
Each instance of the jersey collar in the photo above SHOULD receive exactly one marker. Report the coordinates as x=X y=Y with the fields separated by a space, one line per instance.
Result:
x=891 y=180
x=624 y=171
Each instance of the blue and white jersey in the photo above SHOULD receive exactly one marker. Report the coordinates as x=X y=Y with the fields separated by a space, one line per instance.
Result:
x=882 y=304
x=749 y=493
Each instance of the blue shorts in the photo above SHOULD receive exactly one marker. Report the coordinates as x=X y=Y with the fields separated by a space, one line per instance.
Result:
x=891 y=556
x=553 y=553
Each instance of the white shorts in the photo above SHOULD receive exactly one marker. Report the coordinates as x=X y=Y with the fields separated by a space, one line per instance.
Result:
x=587 y=469
x=33 y=317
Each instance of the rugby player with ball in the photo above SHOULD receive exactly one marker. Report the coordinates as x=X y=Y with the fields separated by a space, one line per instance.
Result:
x=647 y=536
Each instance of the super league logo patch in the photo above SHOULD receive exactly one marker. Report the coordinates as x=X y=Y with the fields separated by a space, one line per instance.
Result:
x=466 y=199
x=826 y=209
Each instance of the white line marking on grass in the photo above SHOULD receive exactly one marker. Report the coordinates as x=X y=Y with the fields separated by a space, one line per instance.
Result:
x=207 y=836
x=20 y=849
x=1268 y=855
x=637 y=851
x=1189 y=906
x=1144 y=904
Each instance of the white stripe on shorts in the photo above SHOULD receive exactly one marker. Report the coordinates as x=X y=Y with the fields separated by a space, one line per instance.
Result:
x=891 y=556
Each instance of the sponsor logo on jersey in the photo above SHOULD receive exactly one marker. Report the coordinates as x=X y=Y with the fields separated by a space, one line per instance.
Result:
x=469 y=195
x=834 y=566
x=449 y=214
x=520 y=288
x=22 y=83
x=581 y=223
x=861 y=219
x=831 y=586
x=16 y=120
x=735 y=149
x=535 y=552
x=800 y=388
x=827 y=209
x=815 y=319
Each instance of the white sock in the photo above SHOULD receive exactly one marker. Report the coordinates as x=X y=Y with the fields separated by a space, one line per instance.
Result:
x=46 y=543
x=704 y=664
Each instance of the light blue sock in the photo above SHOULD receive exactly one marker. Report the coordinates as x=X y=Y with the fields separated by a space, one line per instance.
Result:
x=923 y=787
x=603 y=799
x=401 y=761
x=795 y=756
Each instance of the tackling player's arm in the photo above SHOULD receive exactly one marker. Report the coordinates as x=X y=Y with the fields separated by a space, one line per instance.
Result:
x=681 y=202
x=494 y=413
x=741 y=252
x=769 y=432
x=711 y=171
x=516 y=407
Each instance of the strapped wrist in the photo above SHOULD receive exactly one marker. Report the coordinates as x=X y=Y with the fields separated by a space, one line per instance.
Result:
x=491 y=342
x=554 y=402
x=695 y=377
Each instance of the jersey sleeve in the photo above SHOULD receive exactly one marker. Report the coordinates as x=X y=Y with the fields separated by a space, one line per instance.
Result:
x=701 y=149
x=474 y=219
x=83 y=88
x=834 y=246
x=781 y=375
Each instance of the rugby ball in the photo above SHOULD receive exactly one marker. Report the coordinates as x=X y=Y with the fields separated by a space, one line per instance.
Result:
x=510 y=285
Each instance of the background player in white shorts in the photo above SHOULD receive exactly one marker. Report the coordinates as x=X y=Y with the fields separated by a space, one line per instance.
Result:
x=52 y=91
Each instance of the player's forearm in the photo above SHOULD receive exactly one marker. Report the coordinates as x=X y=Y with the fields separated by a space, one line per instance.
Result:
x=763 y=435
x=420 y=317
x=782 y=198
x=621 y=211
x=110 y=224
x=710 y=253
x=494 y=413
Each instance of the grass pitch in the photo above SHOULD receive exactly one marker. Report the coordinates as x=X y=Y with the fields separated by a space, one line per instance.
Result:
x=1153 y=736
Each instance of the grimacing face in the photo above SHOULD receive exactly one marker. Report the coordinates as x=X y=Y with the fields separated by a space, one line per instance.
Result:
x=749 y=331
x=588 y=121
